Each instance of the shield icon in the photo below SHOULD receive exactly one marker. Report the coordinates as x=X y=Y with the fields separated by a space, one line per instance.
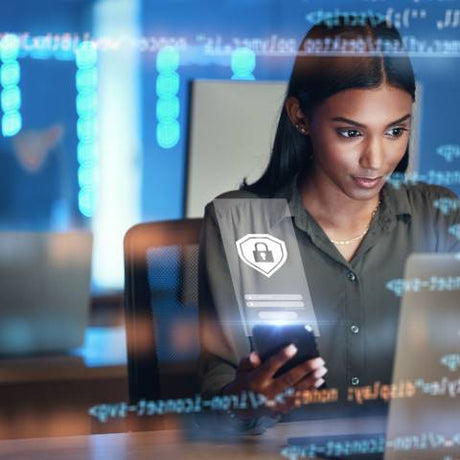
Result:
x=262 y=252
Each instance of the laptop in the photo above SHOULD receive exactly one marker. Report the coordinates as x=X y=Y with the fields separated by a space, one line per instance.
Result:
x=424 y=423
x=44 y=291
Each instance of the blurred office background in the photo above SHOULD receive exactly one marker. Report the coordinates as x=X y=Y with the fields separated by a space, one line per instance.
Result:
x=96 y=100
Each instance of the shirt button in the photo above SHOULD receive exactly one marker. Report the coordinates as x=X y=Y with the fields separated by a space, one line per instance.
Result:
x=351 y=276
x=355 y=381
x=354 y=329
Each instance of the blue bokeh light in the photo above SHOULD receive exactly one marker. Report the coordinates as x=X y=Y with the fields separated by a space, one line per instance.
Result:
x=86 y=154
x=168 y=108
x=167 y=59
x=86 y=107
x=86 y=55
x=11 y=124
x=168 y=84
x=86 y=201
x=86 y=79
x=9 y=47
x=168 y=133
x=11 y=99
x=168 y=104
x=87 y=103
x=243 y=64
x=10 y=74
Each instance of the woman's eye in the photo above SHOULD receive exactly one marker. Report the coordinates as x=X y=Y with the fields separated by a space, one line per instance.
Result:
x=396 y=132
x=349 y=133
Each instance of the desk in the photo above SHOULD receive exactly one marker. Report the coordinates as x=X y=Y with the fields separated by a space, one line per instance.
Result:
x=172 y=444
x=49 y=395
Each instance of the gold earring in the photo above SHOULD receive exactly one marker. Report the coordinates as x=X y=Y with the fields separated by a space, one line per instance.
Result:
x=301 y=128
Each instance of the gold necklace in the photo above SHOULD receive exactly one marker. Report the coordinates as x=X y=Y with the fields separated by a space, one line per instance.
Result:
x=361 y=235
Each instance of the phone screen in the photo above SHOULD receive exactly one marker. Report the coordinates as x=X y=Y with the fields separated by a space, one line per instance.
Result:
x=270 y=339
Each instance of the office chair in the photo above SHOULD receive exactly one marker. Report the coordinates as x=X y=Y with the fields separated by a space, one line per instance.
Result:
x=161 y=300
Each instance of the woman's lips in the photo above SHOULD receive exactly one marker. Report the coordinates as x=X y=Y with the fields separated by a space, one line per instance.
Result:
x=367 y=182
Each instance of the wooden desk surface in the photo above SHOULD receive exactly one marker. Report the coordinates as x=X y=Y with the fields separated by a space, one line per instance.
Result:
x=174 y=444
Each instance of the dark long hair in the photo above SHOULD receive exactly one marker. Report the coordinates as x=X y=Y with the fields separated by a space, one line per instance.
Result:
x=315 y=77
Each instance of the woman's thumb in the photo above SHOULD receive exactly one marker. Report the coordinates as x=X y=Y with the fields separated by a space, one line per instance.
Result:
x=250 y=362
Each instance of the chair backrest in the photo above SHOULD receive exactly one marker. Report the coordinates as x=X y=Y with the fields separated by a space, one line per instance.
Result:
x=161 y=300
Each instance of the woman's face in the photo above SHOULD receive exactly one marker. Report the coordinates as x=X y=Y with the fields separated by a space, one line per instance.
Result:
x=358 y=138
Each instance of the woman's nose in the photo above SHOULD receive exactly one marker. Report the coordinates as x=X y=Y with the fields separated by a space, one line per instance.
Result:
x=372 y=155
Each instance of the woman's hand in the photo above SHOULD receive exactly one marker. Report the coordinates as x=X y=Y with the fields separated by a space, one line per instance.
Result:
x=252 y=375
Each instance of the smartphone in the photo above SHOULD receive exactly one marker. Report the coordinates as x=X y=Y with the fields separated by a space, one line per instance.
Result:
x=270 y=339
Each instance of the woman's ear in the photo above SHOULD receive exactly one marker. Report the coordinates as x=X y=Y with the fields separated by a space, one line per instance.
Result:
x=295 y=114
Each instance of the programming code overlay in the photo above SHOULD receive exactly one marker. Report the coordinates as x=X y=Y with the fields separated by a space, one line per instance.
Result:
x=244 y=401
x=405 y=389
x=251 y=401
x=426 y=441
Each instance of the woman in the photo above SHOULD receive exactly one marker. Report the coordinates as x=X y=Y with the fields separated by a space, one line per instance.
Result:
x=343 y=131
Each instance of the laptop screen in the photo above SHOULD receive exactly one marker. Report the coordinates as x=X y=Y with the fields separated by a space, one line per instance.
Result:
x=424 y=423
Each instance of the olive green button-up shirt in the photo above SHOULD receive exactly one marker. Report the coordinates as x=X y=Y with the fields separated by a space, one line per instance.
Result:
x=357 y=313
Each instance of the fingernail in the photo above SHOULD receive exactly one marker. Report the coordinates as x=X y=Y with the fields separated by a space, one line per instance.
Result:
x=321 y=361
x=291 y=350
x=320 y=372
x=253 y=358
x=318 y=383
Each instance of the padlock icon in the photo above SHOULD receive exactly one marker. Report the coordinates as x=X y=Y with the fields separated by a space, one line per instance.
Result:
x=262 y=255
